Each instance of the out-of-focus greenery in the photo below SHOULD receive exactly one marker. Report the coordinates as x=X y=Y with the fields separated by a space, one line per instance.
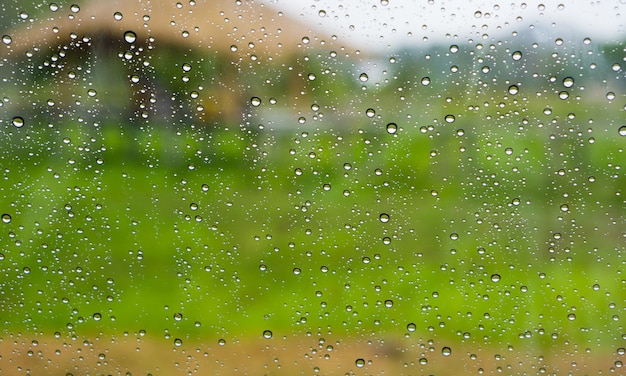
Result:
x=485 y=214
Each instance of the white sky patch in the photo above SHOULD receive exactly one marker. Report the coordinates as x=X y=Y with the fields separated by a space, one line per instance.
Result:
x=383 y=24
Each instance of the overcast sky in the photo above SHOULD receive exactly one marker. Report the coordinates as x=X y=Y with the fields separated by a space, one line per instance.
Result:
x=397 y=22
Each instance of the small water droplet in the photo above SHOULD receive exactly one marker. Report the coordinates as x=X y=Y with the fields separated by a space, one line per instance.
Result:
x=6 y=39
x=221 y=342
x=97 y=316
x=363 y=77
x=388 y=303
x=384 y=217
x=392 y=128
x=54 y=7
x=370 y=112
x=450 y=118
x=178 y=342
x=426 y=81
x=622 y=131
x=517 y=55
x=571 y=316
x=446 y=351
x=255 y=101
x=454 y=236
x=568 y=82
x=130 y=36
x=495 y=278
x=360 y=363
x=563 y=95
x=267 y=334
x=178 y=316
x=513 y=89
x=117 y=16
x=411 y=327
x=18 y=122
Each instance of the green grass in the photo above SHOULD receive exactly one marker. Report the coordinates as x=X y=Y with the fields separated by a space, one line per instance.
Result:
x=119 y=222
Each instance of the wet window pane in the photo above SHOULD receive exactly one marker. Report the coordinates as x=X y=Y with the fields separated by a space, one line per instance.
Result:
x=264 y=187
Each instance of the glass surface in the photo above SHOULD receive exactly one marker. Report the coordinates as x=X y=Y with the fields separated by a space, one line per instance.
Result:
x=368 y=187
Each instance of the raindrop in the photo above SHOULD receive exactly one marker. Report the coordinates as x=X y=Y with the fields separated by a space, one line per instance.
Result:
x=454 y=48
x=18 y=122
x=426 y=81
x=75 y=8
x=450 y=118
x=411 y=327
x=54 y=7
x=130 y=37
x=622 y=131
x=564 y=208
x=517 y=55
x=495 y=278
x=568 y=82
x=6 y=39
x=454 y=236
x=392 y=128
x=363 y=77
x=322 y=13
x=312 y=76
x=513 y=89
x=571 y=317
x=388 y=303
x=178 y=316
x=610 y=95
x=446 y=351
x=360 y=363
x=370 y=112
x=384 y=217
x=423 y=361
x=6 y=218
x=97 y=316
x=267 y=334
x=297 y=271
x=178 y=342
x=563 y=95
x=255 y=101
x=117 y=16
x=221 y=342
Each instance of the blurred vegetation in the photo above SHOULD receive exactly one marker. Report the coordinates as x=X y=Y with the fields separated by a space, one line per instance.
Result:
x=460 y=207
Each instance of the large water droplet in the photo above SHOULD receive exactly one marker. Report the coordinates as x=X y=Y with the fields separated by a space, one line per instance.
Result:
x=6 y=218
x=18 y=122
x=392 y=128
x=130 y=36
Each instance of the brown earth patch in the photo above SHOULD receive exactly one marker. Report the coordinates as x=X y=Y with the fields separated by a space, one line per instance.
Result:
x=131 y=355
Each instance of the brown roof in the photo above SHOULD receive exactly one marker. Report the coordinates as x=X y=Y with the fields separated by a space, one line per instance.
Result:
x=244 y=27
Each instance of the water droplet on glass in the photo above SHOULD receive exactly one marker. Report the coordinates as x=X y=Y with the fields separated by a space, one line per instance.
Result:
x=423 y=361
x=130 y=37
x=360 y=363
x=384 y=217
x=450 y=118
x=178 y=316
x=564 y=208
x=297 y=271
x=610 y=95
x=388 y=303
x=322 y=13
x=454 y=236
x=97 y=316
x=517 y=55
x=411 y=327
x=6 y=39
x=495 y=278
x=267 y=334
x=54 y=7
x=622 y=131
x=571 y=317
x=568 y=82
x=117 y=16
x=178 y=342
x=454 y=48
x=75 y=8
x=221 y=342
x=513 y=89
x=370 y=112
x=6 y=218
x=18 y=122
x=255 y=101
x=446 y=351
x=312 y=76
x=426 y=81
x=563 y=95
x=363 y=77
x=392 y=128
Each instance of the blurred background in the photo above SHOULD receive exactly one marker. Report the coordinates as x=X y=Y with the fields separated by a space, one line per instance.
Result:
x=235 y=187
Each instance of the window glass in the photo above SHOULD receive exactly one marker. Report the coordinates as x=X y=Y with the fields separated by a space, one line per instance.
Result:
x=264 y=187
